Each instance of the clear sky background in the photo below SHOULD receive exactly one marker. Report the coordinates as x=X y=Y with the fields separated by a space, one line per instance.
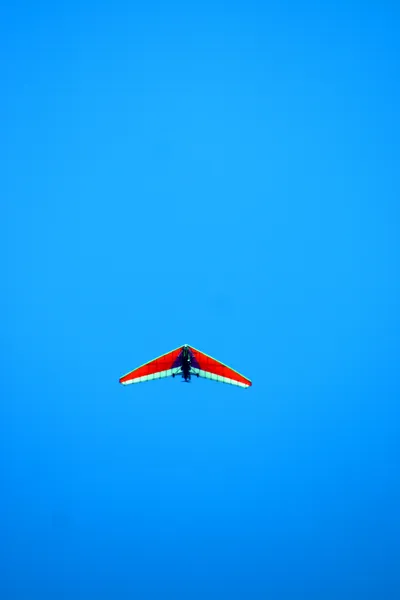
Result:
x=222 y=176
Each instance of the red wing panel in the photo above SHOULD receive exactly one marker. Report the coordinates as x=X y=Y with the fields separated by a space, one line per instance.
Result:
x=163 y=366
x=213 y=369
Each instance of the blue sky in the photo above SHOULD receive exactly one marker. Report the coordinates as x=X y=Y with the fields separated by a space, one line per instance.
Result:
x=227 y=178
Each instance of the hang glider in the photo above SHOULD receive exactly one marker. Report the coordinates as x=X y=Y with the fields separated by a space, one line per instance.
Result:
x=188 y=362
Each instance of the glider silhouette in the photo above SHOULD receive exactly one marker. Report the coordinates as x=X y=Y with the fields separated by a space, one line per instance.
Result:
x=185 y=361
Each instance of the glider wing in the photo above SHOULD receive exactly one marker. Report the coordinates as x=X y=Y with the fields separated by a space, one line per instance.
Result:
x=164 y=366
x=206 y=366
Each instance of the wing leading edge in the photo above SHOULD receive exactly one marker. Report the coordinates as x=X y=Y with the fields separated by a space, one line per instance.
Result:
x=210 y=368
x=163 y=366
